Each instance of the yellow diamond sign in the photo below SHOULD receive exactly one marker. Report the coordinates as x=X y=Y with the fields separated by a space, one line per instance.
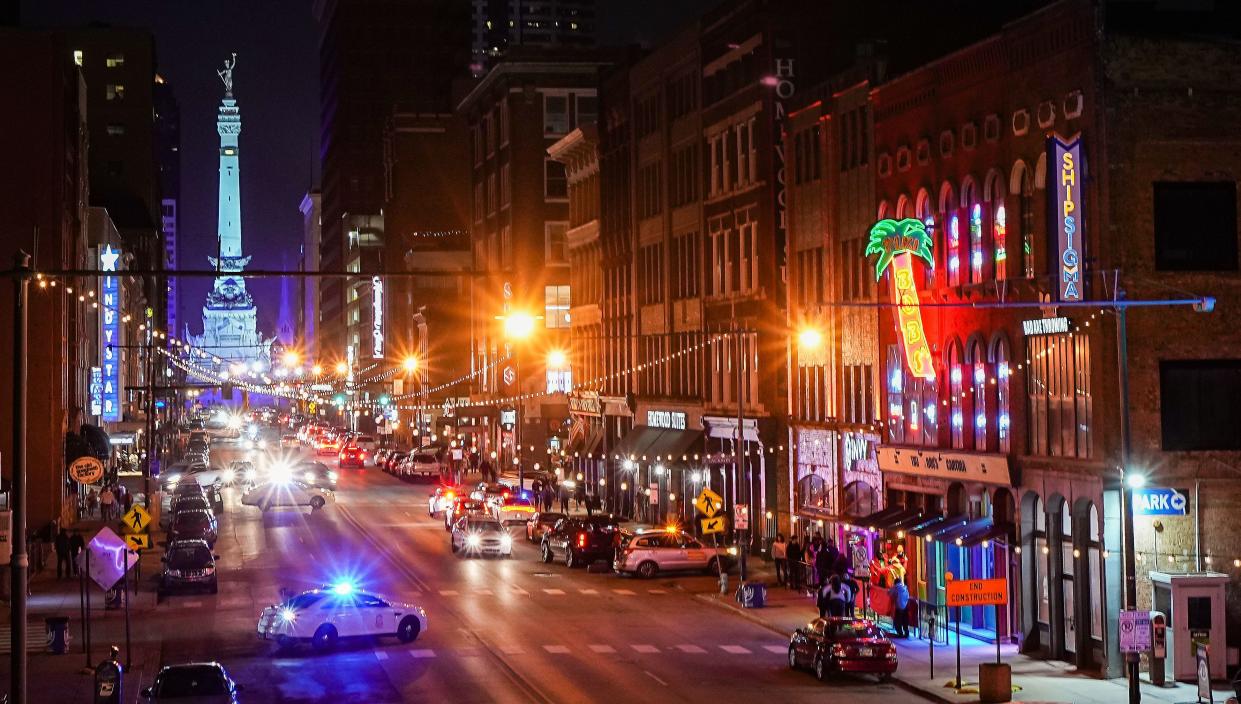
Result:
x=713 y=525
x=708 y=502
x=137 y=520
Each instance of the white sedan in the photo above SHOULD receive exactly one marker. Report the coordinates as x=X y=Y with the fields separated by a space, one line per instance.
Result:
x=276 y=494
x=323 y=616
x=480 y=536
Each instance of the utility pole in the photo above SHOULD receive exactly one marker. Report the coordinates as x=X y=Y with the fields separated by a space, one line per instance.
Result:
x=1131 y=577
x=20 y=563
x=742 y=479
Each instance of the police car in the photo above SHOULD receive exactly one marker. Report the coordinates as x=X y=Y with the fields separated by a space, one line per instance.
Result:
x=324 y=616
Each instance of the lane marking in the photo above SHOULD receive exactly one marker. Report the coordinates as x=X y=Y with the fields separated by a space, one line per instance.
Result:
x=448 y=592
x=520 y=591
x=484 y=592
x=624 y=592
x=557 y=649
x=735 y=649
x=692 y=649
x=554 y=592
x=381 y=655
x=643 y=648
x=602 y=648
x=512 y=649
x=653 y=676
x=422 y=653
x=656 y=591
x=781 y=649
x=589 y=591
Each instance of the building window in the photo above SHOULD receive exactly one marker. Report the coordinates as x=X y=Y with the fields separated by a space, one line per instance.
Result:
x=1058 y=388
x=556 y=306
x=976 y=255
x=912 y=404
x=476 y=135
x=1198 y=404
x=719 y=163
x=506 y=186
x=78 y=57
x=478 y=202
x=115 y=91
x=978 y=372
x=956 y=395
x=587 y=109
x=722 y=258
x=115 y=60
x=506 y=247
x=556 y=184
x=555 y=114
x=489 y=130
x=747 y=252
x=557 y=251
x=747 y=153
x=684 y=176
x=954 y=250
x=1196 y=226
x=896 y=395
x=504 y=128
x=685 y=265
x=559 y=381
x=649 y=202
x=651 y=274
x=856 y=273
x=491 y=194
x=999 y=229
x=115 y=129
x=857 y=393
x=1000 y=357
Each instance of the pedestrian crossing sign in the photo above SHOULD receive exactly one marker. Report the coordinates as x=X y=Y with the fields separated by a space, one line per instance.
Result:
x=138 y=541
x=708 y=502
x=712 y=525
x=137 y=520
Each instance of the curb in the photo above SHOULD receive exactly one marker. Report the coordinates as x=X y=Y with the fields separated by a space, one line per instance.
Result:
x=896 y=680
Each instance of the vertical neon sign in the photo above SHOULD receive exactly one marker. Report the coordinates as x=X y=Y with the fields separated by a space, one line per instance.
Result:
x=895 y=243
x=1064 y=161
x=96 y=391
x=377 y=317
x=110 y=393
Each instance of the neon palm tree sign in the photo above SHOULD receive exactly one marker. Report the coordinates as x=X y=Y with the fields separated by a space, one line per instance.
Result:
x=896 y=243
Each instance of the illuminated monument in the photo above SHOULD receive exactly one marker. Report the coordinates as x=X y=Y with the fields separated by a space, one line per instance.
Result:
x=230 y=321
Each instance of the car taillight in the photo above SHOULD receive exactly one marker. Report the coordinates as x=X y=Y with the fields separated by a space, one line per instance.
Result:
x=452 y=495
x=581 y=540
x=838 y=650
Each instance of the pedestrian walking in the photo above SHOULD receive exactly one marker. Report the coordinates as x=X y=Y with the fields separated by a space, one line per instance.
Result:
x=92 y=502
x=779 y=553
x=127 y=500
x=579 y=495
x=564 y=500
x=854 y=589
x=824 y=562
x=793 y=553
x=899 y=594
x=76 y=545
x=106 y=501
x=833 y=595
x=63 y=565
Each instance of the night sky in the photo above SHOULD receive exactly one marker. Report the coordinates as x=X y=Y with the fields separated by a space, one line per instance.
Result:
x=276 y=86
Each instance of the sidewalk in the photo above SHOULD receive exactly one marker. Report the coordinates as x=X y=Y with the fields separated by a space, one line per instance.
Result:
x=1034 y=680
x=66 y=678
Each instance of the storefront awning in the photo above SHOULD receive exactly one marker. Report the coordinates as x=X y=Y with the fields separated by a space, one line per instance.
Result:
x=953 y=531
x=635 y=443
x=916 y=520
x=935 y=527
x=895 y=518
x=1004 y=531
x=475 y=411
x=927 y=522
x=586 y=445
x=881 y=515
x=676 y=446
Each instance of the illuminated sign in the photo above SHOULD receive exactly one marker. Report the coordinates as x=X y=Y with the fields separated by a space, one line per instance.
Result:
x=673 y=420
x=377 y=317
x=110 y=328
x=96 y=391
x=784 y=89
x=896 y=243
x=1045 y=326
x=1064 y=161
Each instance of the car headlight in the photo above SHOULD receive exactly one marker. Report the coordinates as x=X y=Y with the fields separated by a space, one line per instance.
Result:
x=229 y=475
x=732 y=550
x=309 y=476
x=331 y=475
x=472 y=540
x=506 y=541
x=174 y=573
x=286 y=615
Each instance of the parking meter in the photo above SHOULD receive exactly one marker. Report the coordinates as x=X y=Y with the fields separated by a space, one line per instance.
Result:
x=1159 y=646
x=108 y=679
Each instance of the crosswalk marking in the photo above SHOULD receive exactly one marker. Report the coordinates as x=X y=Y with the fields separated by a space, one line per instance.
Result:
x=624 y=592
x=381 y=655
x=512 y=649
x=422 y=653
x=556 y=649
x=642 y=648
x=36 y=637
x=735 y=649
x=448 y=592
x=554 y=592
x=519 y=590
x=602 y=649
x=776 y=648
x=589 y=591
x=691 y=649
x=656 y=591
x=484 y=592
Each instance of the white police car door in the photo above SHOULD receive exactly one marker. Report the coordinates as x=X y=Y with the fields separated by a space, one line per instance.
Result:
x=376 y=614
x=342 y=612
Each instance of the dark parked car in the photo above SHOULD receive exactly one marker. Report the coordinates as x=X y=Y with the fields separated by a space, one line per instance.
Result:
x=393 y=460
x=838 y=644
x=540 y=523
x=189 y=502
x=581 y=540
x=197 y=682
x=193 y=524
x=188 y=564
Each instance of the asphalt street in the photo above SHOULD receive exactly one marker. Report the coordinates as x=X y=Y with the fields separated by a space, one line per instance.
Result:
x=500 y=630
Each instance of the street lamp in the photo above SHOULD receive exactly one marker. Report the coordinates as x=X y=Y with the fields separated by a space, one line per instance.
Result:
x=291 y=359
x=410 y=364
x=518 y=325
x=810 y=339
x=318 y=370
x=342 y=368
x=556 y=359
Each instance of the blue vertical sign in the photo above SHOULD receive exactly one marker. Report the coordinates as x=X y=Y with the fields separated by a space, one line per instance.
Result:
x=96 y=391
x=1066 y=220
x=111 y=328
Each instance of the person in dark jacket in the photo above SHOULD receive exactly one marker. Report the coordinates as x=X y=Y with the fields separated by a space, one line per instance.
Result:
x=795 y=555
x=76 y=545
x=64 y=565
x=824 y=562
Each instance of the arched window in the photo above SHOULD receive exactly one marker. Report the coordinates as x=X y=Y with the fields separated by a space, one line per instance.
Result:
x=1021 y=184
x=895 y=381
x=999 y=228
x=1000 y=358
x=956 y=405
x=950 y=241
x=902 y=207
x=884 y=209
x=978 y=378
x=973 y=210
x=922 y=211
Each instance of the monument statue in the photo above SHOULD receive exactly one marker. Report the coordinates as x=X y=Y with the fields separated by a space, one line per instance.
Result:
x=226 y=75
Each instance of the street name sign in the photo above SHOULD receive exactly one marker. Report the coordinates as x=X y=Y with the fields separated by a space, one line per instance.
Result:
x=708 y=502
x=716 y=524
x=1135 y=631
x=137 y=520
x=977 y=592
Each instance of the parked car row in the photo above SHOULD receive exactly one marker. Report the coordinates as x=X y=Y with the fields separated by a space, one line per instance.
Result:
x=423 y=462
x=188 y=561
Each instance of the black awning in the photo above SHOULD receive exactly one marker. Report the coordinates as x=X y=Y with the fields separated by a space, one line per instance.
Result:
x=636 y=442
x=675 y=446
x=927 y=523
x=1004 y=531
x=877 y=516
x=934 y=528
x=587 y=444
x=916 y=520
x=893 y=519
x=100 y=443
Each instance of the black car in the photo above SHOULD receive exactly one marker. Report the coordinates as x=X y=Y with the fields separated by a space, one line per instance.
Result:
x=581 y=540
x=193 y=524
x=206 y=682
x=393 y=461
x=189 y=489
x=188 y=564
x=189 y=502
x=315 y=474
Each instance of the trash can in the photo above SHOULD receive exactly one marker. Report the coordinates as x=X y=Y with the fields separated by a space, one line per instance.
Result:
x=57 y=634
x=752 y=595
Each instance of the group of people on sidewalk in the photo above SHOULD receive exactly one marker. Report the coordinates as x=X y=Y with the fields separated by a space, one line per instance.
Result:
x=826 y=572
x=68 y=547
x=112 y=502
x=545 y=495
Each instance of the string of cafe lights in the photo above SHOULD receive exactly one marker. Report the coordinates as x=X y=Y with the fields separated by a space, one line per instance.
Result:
x=459 y=380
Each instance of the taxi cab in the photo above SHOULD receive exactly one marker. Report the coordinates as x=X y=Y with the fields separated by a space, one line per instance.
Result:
x=323 y=616
x=647 y=553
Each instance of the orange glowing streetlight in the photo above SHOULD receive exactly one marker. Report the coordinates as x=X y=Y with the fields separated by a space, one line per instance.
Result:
x=518 y=325
x=342 y=368
x=556 y=359
x=410 y=364
x=810 y=339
